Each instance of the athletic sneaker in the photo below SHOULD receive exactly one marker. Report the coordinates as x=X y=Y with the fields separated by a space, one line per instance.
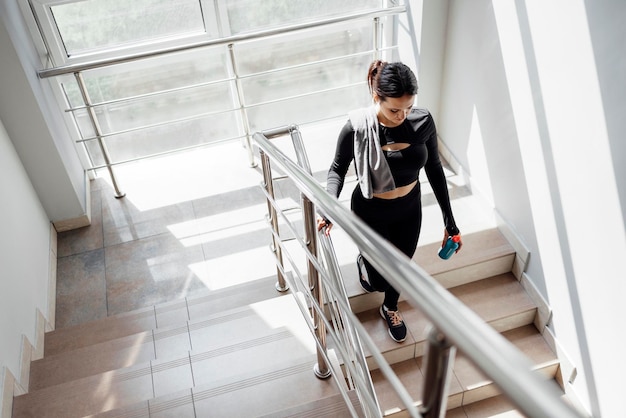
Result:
x=397 y=329
x=363 y=279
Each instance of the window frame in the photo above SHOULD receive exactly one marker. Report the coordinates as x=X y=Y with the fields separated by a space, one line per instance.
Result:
x=57 y=54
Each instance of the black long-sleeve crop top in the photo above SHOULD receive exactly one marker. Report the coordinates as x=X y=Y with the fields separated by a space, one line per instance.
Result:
x=419 y=131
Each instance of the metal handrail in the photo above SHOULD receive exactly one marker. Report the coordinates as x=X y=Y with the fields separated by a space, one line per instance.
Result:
x=73 y=68
x=325 y=281
x=495 y=356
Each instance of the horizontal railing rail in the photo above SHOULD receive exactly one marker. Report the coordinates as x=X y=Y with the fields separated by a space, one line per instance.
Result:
x=495 y=356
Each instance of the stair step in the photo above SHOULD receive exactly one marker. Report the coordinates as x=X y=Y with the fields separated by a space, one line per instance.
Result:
x=128 y=392
x=228 y=331
x=297 y=386
x=254 y=346
x=485 y=253
x=501 y=301
x=467 y=385
x=496 y=406
x=330 y=406
x=158 y=316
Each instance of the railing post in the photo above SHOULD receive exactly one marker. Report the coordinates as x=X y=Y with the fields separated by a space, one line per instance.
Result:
x=281 y=284
x=377 y=41
x=98 y=131
x=321 y=369
x=439 y=359
x=242 y=104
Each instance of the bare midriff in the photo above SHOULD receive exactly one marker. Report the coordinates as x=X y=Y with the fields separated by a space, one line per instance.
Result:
x=398 y=191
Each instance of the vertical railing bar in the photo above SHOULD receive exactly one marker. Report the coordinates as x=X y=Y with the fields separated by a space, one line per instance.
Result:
x=321 y=369
x=353 y=341
x=98 y=131
x=268 y=184
x=377 y=31
x=439 y=360
x=242 y=104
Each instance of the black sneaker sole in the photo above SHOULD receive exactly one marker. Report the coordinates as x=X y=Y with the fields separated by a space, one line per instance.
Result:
x=364 y=284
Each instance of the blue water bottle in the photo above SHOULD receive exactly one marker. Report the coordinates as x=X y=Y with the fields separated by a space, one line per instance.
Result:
x=450 y=247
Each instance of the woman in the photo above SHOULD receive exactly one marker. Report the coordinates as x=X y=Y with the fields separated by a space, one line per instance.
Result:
x=390 y=142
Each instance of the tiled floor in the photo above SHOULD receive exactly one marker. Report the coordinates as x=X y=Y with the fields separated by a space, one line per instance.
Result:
x=154 y=246
x=186 y=222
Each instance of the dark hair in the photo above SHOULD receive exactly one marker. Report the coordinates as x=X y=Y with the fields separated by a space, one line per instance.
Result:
x=391 y=79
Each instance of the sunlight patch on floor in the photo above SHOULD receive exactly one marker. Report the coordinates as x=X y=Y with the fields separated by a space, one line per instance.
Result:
x=224 y=225
x=229 y=270
x=284 y=313
x=186 y=176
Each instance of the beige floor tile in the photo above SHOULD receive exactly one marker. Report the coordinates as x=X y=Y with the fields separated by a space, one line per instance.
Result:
x=496 y=406
x=171 y=313
x=172 y=342
x=265 y=393
x=171 y=376
x=176 y=405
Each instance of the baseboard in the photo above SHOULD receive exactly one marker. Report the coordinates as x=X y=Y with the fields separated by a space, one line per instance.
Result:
x=544 y=312
x=567 y=373
x=52 y=282
x=31 y=352
x=74 y=223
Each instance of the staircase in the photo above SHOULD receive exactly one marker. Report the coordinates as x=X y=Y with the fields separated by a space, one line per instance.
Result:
x=245 y=351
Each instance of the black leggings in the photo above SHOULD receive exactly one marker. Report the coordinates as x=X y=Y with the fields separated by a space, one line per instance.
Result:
x=397 y=220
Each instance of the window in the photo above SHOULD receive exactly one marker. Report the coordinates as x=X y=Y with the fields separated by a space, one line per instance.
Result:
x=78 y=30
x=212 y=92
x=91 y=25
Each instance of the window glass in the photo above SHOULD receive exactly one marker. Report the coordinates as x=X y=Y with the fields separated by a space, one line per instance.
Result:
x=297 y=48
x=167 y=72
x=88 y=25
x=162 y=138
x=251 y=15
x=173 y=136
x=305 y=62
x=307 y=109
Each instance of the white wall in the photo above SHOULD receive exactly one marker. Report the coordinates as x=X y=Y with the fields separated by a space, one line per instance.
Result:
x=422 y=45
x=532 y=106
x=25 y=246
x=37 y=129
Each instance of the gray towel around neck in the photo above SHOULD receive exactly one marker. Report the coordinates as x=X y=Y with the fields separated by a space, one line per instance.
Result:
x=369 y=160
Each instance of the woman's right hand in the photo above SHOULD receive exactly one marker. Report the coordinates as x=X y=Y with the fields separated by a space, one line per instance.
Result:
x=321 y=223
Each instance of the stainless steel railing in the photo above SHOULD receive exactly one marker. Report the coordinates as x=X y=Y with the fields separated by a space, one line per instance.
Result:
x=454 y=325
